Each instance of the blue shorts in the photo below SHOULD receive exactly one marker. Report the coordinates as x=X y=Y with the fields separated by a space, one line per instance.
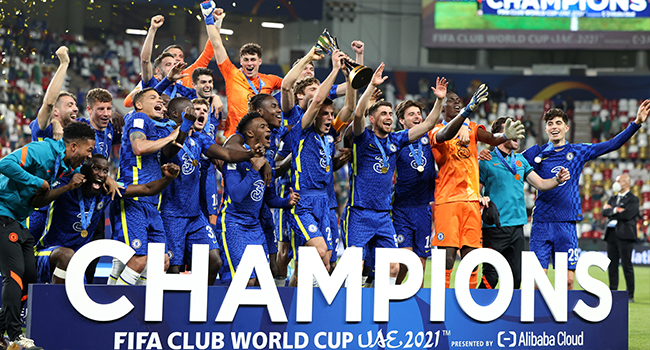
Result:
x=369 y=227
x=282 y=224
x=137 y=223
x=546 y=238
x=235 y=238
x=36 y=223
x=310 y=219
x=413 y=228
x=43 y=270
x=266 y=220
x=182 y=232
x=334 y=234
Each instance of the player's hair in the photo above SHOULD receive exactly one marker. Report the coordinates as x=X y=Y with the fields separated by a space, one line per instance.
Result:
x=78 y=131
x=138 y=95
x=172 y=47
x=251 y=49
x=298 y=61
x=302 y=84
x=87 y=162
x=497 y=125
x=327 y=102
x=378 y=104
x=256 y=101
x=404 y=105
x=555 y=112
x=64 y=93
x=98 y=95
x=159 y=59
x=201 y=101
x=246 y=120
x=199 y=72
x=176 y=104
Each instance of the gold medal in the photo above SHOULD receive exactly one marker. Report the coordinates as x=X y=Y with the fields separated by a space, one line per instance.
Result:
x=420 y=168
x=84 y=233
x=195 y=162
x=384 y=170
x=517 y=177
x=327 y=169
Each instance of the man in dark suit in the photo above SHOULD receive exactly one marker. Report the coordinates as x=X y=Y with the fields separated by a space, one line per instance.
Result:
x=622 y=211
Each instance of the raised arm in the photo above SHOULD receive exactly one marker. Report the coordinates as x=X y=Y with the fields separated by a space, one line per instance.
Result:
x=514 y=130
x=287 y=99
x=601 y=148
x=359 y=113
x=169 y=171
x=350 y=99
x=147 y=48
x=45 y=113
x=213 y=18
x=323 y=91
x=141 y=146
x=440 y=91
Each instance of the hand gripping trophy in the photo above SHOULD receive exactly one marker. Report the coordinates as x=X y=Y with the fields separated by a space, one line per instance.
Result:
x=359 y=74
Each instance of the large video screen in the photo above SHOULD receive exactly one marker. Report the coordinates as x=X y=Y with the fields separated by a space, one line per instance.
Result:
x=466 y=15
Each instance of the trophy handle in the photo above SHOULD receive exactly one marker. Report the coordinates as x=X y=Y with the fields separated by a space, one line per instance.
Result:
x=360 y=75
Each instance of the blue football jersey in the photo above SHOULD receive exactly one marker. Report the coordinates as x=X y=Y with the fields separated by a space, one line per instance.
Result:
x=312 y=167
x=64 y=219
x=182 y=197
x=38 y=134
x=563 y=202
x=103 y=139
x=414 y=187
x=370 y=186
x=145 y=168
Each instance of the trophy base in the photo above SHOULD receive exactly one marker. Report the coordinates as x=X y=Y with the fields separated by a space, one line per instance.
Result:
x=360 y=76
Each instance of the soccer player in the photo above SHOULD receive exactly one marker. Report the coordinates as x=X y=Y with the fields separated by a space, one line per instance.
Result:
x=59 y=108
x=374 y=153
x=202 y=82
x=177 y=54
x=413 y=191
x=137 y=221
x=244 y=193
x=22 y=175
x=312 y=147
x=99 y=105
x=78 y=210
x=182 y=217
x=502 y=183
x=457 y=215
x=556 y=211
x=242 y=83
x=209 y=197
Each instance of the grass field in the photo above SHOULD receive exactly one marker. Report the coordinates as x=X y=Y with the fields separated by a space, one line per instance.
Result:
x=639 y=313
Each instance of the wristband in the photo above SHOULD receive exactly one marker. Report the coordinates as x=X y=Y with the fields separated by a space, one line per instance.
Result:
x=186 y=126
x=466 y=112
x=558 y=180
x=505 y=137
x=218 y=22
x=467 y=125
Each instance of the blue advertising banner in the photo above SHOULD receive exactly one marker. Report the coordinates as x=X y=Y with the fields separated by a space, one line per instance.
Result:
x=54 y=324
x=567 y=8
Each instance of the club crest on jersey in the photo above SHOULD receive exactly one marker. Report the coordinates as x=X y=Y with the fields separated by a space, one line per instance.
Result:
x=136 y=244
x=400 y=238
x=312 y=228
x=170 y=254
x=569 y=156
x=330 y=139
x=440 y=236
x=100 y=205
x=392 y=147
x=424 y=140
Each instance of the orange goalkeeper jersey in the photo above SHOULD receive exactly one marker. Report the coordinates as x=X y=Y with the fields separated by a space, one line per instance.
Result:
x=458 y=178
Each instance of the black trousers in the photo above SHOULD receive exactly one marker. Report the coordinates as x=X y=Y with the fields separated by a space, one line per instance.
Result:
x=620 y=249
x=509 y=241
x=18 y=268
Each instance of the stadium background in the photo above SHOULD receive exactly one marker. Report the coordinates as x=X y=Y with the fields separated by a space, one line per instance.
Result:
x=599 y=83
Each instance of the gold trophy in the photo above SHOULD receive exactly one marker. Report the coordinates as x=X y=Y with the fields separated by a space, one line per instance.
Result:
x=359 y=75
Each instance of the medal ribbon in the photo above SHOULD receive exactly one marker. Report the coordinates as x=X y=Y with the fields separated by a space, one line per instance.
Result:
x=255 y=90
x=173 y=94
x=513 y=166
x=188 y=152
x=550 y=149
x=325 y=144
x=417 y=155
x=85 y=219
x=169 y=124
x=383 y=153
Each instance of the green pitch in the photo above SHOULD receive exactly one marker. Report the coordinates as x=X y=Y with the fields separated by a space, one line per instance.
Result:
x=639 y=322
x=462 y=15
